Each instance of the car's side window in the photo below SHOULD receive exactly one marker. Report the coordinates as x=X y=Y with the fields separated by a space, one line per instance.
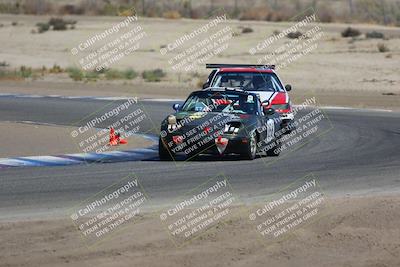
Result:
x=277 y=86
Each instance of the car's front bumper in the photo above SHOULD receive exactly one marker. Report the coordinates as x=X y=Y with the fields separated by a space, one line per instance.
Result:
x=236 y=144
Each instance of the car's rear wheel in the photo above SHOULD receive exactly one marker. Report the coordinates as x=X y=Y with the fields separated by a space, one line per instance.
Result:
x=251 y=149
x=275 y=149
x=163 y=152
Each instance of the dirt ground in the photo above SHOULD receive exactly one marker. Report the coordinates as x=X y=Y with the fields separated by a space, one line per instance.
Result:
x=27 y=139
x=356 y=231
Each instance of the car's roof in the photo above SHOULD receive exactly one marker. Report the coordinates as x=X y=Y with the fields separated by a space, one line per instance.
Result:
x=246 y=70
x=225 y=90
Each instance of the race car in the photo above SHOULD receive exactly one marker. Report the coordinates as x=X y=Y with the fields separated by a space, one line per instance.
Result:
x=220 y=121
x=259 y=79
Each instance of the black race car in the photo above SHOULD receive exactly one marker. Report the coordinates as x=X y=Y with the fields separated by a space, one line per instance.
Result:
x=220 y=121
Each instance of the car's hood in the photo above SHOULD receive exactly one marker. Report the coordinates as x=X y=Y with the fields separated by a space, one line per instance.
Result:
x=194 y=119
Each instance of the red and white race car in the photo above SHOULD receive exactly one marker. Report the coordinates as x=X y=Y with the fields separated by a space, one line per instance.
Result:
x=259 y=79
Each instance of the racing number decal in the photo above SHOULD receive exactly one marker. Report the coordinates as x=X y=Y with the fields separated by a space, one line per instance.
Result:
x=270 y=130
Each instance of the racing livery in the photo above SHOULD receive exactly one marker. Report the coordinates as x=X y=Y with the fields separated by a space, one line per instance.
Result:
x=259 y=79
x=220 y=121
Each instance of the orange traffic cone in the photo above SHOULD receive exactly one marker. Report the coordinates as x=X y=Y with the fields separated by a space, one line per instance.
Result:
x=115 y=138
x=120 y=140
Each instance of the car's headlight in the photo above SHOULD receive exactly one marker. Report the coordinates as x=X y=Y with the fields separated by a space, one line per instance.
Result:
x=172 y=123
x=171 y=120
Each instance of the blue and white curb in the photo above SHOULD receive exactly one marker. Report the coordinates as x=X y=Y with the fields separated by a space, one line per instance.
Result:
x=74 y=159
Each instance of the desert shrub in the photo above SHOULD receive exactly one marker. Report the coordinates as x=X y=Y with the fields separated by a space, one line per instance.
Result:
x=91 y=75
x=14 y=23
x=294 y=35
x=9 y=8
x=58 y=24
x=56 y=69
x=4 y=64
x=172 y=14
x=21 y=73
x=247 y=30
x=42 y=27
x=130 y=74
x=112 y=74
x=375 y=35
x=153 y=75
x=25 y=72
x=382 y=48
x=350 y=32
x=5 y=74
x=75 y=73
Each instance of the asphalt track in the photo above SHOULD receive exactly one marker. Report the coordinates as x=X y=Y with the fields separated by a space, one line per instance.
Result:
x=358 y=154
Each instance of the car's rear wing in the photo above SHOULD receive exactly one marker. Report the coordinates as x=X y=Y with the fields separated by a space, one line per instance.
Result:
x=217 y=66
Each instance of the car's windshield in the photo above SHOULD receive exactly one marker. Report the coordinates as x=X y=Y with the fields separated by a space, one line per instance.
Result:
x=249 y=81
x=221 y=102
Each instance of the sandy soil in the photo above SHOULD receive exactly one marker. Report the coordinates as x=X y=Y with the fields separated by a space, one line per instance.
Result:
x=356 y=231
x=25 y=139
x=340 y=71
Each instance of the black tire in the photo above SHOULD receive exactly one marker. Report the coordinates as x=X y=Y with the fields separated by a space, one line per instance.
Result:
x=276 y=149
x=288 y=127
x=251 y=149
x=163 y=152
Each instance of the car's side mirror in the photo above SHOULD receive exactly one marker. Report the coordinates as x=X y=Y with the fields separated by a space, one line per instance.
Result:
x=267 y=110
x=176 y=106
x=265 y=103
x=288 y=87
x=206 y=85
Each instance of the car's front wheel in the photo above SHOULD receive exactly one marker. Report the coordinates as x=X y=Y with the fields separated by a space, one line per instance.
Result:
x=251 y=148
x=163 y=152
